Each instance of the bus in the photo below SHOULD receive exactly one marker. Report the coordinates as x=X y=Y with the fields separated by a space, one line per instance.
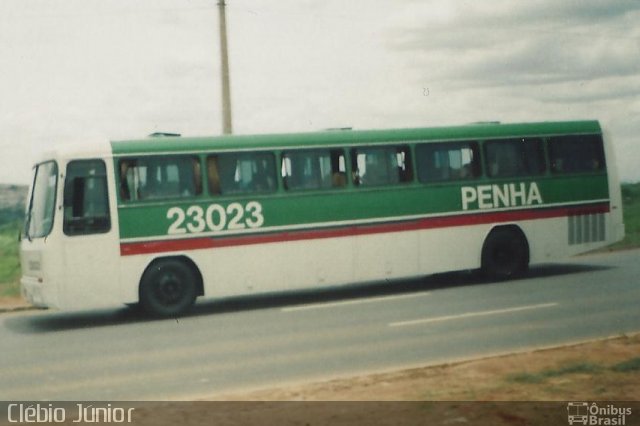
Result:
x=157 y=222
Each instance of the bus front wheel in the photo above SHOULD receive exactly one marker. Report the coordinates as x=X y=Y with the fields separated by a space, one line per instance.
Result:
x=168 y=288
x=505 y=253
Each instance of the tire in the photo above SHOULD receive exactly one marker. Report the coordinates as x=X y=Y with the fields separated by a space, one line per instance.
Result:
x=505 y=254
x=167 y=288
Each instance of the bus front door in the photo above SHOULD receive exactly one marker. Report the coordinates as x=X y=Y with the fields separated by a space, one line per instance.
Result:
x=91 y=244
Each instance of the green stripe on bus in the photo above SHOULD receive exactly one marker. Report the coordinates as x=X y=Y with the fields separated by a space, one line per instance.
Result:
x=148 y=219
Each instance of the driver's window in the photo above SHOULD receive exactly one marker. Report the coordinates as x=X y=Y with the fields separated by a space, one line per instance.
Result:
x=86 y=201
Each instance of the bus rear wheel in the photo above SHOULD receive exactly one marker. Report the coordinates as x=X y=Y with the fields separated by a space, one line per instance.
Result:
x=168 y=288
x=505 y=254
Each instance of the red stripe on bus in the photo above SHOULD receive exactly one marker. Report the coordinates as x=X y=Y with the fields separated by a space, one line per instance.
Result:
x=146 y=247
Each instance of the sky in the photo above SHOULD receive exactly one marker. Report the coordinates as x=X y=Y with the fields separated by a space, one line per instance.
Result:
x=86 y=71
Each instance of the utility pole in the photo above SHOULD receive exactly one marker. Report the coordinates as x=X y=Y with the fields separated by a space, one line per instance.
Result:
x=224 y=62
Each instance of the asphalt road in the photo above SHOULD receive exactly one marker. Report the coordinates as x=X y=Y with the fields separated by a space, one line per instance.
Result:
x=254 y=342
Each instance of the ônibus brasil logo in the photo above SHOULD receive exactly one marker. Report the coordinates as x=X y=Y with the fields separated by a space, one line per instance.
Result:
x=594 y=414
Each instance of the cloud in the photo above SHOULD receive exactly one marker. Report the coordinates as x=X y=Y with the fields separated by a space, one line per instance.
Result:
x=121 y=69
x=545 y=42
x=524 y=61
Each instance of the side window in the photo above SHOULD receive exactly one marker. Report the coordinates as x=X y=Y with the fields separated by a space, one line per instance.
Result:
x=241 y=173
x=440 y=162
x=157 y=178
x=378 y=166
x=514 y=157
x=317 y=169
x=86 y=201
x=576 y=154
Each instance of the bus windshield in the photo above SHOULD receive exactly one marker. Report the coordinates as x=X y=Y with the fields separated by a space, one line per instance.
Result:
x=39 y=220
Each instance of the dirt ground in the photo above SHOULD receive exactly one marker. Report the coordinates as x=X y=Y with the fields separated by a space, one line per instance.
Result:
x=10 y=303
x=600 y=370
x=484 y=392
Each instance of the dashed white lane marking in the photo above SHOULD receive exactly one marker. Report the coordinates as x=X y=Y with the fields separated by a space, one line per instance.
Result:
x=353 y=302
x=472 y=314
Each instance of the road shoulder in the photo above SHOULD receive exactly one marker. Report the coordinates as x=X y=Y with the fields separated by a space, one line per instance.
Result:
x=606 y=369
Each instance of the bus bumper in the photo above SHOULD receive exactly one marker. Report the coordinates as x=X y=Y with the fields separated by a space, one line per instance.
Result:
x=32 y=290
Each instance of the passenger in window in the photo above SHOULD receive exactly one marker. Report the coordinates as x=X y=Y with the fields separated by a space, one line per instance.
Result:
x=197 y=177
x=262 y=181
x=493 y=167
x=228 y=168
x=355 y=178
x=212 y=175
x=557 y=165
x=338 y=179
x=465 y=171
x=125 y=194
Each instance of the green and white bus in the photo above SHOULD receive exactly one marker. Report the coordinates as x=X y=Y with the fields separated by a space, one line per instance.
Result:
x=160 y=221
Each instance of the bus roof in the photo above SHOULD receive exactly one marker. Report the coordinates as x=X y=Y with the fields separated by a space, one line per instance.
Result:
x=350 y=137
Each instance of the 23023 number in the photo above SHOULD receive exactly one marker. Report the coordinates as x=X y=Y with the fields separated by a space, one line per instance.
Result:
x=216 y=217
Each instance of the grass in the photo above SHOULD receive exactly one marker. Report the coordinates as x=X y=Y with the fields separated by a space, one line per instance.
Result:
x=630 y=365
x=631 y=212
x=9 y=261
x=541 y=376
